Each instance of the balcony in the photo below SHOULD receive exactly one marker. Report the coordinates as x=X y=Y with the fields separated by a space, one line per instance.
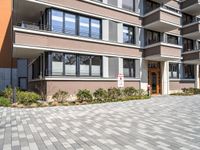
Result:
x=162 y=20
x=192 y=57
x=192 y=30
x=162 y=52
x=191 y=7
x=30 y=40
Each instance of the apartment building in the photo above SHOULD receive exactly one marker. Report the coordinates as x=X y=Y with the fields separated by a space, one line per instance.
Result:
x=75 y=44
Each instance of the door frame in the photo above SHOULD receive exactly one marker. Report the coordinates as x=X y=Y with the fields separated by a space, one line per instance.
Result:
x=158 y=80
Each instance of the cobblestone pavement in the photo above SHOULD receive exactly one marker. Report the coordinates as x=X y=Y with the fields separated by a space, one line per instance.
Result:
x=161 y=123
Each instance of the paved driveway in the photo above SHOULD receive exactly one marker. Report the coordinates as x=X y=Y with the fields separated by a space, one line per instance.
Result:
x=160 y=123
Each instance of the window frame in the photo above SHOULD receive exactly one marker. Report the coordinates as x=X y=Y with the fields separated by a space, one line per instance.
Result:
x=171 y=70
x=130 y=41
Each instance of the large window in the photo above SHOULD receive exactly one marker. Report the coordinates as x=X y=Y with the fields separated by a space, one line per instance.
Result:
x=128 y=34
x=129 y=67
x=128 y=5
x=173 y=70
x=57 y=64
x=62 y=64
x=70 y=64
x=70 y=24
x=74 y=24
x=188 y=71
x=188 y=45
x=151 y=37
x=57 y=21
x=172 y=39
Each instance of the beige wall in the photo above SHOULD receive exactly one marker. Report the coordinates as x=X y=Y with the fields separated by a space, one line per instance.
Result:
x=98 y=10
x=178 y=85
x=74 y=45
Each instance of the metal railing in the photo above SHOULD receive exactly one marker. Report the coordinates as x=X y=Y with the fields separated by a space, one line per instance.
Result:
x=60 y=29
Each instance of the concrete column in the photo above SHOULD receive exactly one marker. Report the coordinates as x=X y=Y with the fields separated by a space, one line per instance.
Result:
x=143 y=74
x=120 y=33
x=197 y=76
x=105 y=30
x=137 y=68
x=181 y=76
x=119 y=3
x=105 y=67
x=165 y=77
x=120 y=66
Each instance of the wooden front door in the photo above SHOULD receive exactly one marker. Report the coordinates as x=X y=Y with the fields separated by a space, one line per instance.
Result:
x=154 y=79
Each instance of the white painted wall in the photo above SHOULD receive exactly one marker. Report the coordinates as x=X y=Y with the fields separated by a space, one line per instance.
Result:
x=105 y=67
x=165 y=77
x=144 y=74
x=197 y=76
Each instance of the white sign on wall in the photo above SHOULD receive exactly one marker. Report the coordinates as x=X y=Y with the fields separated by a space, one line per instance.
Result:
x=120 y=81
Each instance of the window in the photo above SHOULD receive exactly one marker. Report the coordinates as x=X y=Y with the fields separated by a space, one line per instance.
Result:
x=95 y=28
x=70 y=64
x=172 y=39
x=57 y=21
x=188 y=71
x=96 y=66
x=188 y=45
x=129 y=67
x=128 y=5
x=70 y=24
x=151 y=37
x=84 y=65
x=90 y=65
x=113 y=31
x=150 y=6
x=74 y=24
x=84 y=27
x=36 y=69
x=198 y=45
x=57 y=64
x=187 y=19
x=128 y=34
x=173 y=70
x=113 y=2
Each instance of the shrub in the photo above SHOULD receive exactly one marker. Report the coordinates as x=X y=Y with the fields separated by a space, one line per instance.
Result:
x=5 y=102
x=129 y=91
x=84 y=95
x=27 y=98
x=101 y=94
x=141 y=92
x=8 y=92
x=60 y=96
x=114 y=93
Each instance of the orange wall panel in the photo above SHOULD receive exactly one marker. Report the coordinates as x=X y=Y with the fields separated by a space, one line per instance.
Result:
x=5 y=34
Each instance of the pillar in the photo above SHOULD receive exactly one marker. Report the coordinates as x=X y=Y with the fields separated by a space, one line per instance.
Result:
x=165 y=77
x=197 y=76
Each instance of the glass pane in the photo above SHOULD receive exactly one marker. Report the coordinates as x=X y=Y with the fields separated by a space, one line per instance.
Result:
x=126 y=68
x=70 y=24
x=128 y=4
x=96 y=66
x=70 y=64
x=57 y=21
x=84 y=65
x=128 y=34
x=95 y=28
x=57 y=64
x=84 y=27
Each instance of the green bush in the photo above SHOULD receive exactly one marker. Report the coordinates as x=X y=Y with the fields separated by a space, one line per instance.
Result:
x=129 y=91
x=191 y=91
x=5 y=102
x=27 y=98
x=141 y=92
x=114 y=93
x=8 y=92
x=101 y=95
x=84 y=95
x=60 y=96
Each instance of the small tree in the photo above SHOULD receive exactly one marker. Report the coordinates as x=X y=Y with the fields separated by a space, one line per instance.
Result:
x=84 y=95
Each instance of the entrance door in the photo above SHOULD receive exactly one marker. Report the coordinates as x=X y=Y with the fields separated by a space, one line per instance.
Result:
x=154 y=77
x=154 y=82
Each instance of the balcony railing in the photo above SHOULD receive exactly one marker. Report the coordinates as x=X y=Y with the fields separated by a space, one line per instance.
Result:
x=59 y=30
x=194 y=20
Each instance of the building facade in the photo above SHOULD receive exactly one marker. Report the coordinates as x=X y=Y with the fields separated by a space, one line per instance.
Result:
x=76 y=44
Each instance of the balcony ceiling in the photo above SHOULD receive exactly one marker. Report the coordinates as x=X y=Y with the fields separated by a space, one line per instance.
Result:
x=27 y=11
x=161 y=1
x=194 y=35
x=193 y=9
x=161 y=26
